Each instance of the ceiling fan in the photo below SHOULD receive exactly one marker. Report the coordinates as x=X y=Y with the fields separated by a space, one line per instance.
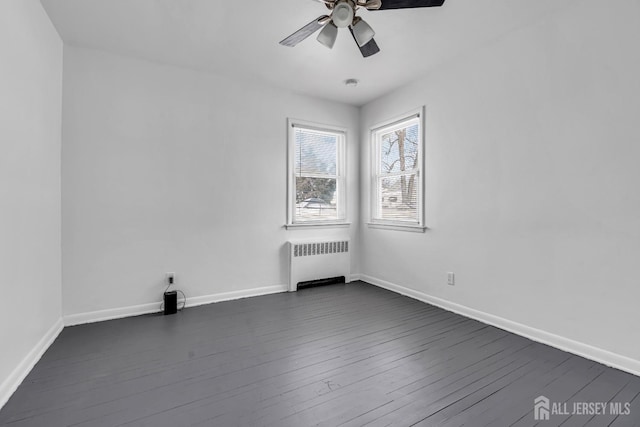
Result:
x=343 y=14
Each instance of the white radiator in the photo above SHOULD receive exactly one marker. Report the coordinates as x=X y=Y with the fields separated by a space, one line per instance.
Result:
x=318 y=259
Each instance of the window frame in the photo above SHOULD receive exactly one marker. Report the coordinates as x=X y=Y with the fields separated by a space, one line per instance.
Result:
x=341 y=176
x=375 y=142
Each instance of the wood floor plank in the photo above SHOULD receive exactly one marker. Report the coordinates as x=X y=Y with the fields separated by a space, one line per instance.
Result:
x=479 y=411
x=517 y=400
x=339 y=355
x=629 y=420
x=627 y=395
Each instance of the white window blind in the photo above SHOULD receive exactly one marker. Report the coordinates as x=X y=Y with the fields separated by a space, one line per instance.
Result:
x=396 y=166
x=317 y=183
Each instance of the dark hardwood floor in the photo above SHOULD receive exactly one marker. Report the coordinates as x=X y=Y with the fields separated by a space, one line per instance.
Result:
x=339 y=355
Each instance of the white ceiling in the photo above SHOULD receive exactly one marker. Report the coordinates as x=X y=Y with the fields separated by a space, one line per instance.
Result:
x=240 y=38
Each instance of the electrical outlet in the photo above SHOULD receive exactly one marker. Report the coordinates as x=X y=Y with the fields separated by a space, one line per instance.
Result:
x=171 y=278
x=451 y=279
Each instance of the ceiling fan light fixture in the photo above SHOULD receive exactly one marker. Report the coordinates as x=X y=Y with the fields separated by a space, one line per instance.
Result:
x=362 y=32
x=342 y=14
x=328 y=35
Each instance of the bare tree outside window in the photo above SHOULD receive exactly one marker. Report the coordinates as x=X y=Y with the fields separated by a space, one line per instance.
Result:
x=400 y=153
x=397 y=169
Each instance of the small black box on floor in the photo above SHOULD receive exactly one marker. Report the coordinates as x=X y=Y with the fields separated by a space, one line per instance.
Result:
x=170 y=302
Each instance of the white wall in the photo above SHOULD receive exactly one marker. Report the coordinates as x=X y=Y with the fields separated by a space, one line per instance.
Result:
x=532 y=150
x=167 y=169
x=30 y=123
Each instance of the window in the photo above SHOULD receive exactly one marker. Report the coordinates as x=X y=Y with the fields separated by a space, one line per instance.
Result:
x=396 y=171
x=316 y=175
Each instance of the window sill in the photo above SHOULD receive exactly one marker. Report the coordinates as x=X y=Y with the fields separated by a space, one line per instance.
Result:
x=307 y=226
x=398 y=227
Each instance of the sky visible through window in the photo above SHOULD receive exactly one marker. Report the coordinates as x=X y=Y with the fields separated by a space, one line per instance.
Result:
x=315 y=153
x=390 y=150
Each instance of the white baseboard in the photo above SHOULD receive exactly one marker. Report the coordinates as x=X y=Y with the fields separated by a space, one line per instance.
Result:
x=228 y=296
x=154 y=307
x=355 y=277
x=110 y=314
x=587 y=351
x=10 y=385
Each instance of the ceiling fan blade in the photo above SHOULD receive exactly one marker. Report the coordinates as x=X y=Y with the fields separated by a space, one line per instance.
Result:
x=408 y=4
x=370 y=4
x=305 y=31
x=328 y=3
x=371 y=48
